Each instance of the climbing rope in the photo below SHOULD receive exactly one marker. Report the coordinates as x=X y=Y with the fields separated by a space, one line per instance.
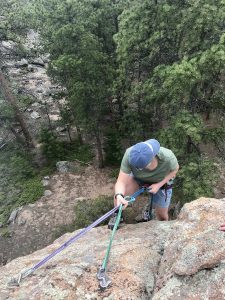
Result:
x=24 y=274
x=104 y=280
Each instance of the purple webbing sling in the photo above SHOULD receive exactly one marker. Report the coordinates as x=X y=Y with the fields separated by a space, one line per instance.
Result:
x=67 y=243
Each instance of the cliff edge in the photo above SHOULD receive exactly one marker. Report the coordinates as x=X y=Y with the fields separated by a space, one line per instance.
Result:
x=182 y=259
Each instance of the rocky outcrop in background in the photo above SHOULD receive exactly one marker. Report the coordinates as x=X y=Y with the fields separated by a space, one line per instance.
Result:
x=30 y=82
x=181 y=259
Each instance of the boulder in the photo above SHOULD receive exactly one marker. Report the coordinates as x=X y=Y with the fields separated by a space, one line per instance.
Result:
x=35 y=115
x=179 y=260
x=45 y=182
x=47 y=193
x=135 y=255
x=21 y=63
x=194 y=257
x=62 y=166
x=38 y=61
x=65 y=166
x=10 y=45
x=13 y=215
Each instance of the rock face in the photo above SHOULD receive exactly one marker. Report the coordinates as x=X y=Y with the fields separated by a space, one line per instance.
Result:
x=182 y=259
x=29 y=80
x=134 y=260
x=192 y=266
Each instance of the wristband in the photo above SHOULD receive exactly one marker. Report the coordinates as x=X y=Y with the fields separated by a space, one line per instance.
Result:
x=117 y=194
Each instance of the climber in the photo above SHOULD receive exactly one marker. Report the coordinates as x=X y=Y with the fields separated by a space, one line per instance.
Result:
x=147 y=162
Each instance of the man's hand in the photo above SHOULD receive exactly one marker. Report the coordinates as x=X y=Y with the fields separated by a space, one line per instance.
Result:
x=154 y=188
x=121 y=200
x=222 y=227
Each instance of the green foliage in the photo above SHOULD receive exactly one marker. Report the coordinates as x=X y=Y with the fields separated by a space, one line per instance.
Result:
x=21 y=183
x=62 y=229
x=197 y=179
x=21 y=167
x=6 y=113
x=82 y=54
x=184 y=134
x=22 y=51
x=197 y=174
x=80 y=152
x=171 y=57
x=13 y=26
x=32 y=189
x=87 y=211
x=4 y=214
x=114 y=173
x=25 y=101
x=113 y=148
x=163 y=61
x=54 y=149
x=51 y=147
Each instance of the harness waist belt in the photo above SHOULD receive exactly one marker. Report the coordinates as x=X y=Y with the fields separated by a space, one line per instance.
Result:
x=164 y=187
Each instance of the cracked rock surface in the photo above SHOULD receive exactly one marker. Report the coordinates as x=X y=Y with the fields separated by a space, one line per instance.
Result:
x=181 y=259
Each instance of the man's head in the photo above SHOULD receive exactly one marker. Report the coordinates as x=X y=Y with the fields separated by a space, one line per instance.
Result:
x=141 y=154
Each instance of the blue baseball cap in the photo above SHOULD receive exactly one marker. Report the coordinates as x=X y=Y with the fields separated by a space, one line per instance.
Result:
x=141 y=154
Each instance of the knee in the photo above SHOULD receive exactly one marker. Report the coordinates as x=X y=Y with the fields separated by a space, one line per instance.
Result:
x=163 y=218
x=162 y=215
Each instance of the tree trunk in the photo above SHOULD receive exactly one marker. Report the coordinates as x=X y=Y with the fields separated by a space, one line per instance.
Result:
x=79 y=135
x=99 y=148
x=10 y=98
x=47 y=114
x=68 y=132
x=139 y=104
x=17 y=136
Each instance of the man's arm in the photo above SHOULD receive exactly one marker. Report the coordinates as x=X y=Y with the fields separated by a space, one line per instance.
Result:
x=123 y=181
x=156 y=186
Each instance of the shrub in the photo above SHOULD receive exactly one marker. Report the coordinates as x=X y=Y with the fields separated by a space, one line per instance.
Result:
x=76 y=151
x=51 y=147
x=21 y=167
x=32 y=189
x=87 y=211
x=113 y=148
x=55 y=150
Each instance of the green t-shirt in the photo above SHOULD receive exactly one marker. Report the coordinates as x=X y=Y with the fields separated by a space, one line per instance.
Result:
x=167 y=162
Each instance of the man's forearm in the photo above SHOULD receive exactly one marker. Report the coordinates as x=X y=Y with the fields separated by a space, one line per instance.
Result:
x=120 y=187
x=168 y=177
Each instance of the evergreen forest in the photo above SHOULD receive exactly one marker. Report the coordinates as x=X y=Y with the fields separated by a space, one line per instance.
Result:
x=128 y=70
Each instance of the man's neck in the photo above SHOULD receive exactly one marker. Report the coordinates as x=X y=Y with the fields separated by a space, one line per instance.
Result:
x=153 y=165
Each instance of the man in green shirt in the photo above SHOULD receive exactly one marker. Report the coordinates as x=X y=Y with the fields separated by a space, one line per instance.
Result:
x=147 y=162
